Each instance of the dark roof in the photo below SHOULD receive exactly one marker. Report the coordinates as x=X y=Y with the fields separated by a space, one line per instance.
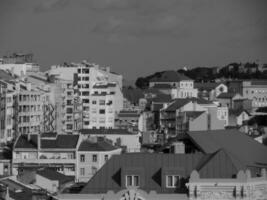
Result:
x=193 y=114
x=152 y=168
x=248 y=151
x=18 y=191
x=260 y=120
x=60 y=142
x=262 y=109
x=237 y=112
x=170 y=76
x=163 y=86
x=100 y=145
x=157 y=106
x=106 y=132
x=54 y=175
x=206 y=86
x=226 y=95
x=149 y=166
x=163 y=98
x=178 y=103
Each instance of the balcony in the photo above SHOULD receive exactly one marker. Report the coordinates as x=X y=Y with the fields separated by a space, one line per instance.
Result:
x=45 y=161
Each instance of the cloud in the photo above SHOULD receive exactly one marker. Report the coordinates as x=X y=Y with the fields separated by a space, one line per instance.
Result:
x=137 y=19
x=51 y=5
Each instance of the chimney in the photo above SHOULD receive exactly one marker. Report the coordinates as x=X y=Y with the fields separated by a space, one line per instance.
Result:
x=92 y=139
x=178 y=148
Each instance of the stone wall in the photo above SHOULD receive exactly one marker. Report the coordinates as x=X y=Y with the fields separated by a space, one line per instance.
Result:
x=244 y=187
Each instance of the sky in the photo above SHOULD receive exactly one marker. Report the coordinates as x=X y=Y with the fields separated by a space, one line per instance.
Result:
x=136 y=37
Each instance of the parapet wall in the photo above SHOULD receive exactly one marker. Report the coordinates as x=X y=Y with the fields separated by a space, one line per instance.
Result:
x=243 y=187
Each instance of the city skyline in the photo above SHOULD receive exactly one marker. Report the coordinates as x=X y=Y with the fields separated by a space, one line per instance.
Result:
x=135 y=38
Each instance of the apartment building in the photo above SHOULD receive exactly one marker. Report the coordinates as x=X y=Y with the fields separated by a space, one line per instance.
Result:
x=68 y=108
x=101 y=95
x=256 y=90
x=184 y=115
x=46 y=150
x=181 y=85
x=210 y=91
x=30 y=108
x=92 y=154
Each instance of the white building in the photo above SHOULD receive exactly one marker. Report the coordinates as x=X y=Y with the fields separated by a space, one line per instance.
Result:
x=46 y=150
x=92 y=154
x=181 y=85
x=100 y=91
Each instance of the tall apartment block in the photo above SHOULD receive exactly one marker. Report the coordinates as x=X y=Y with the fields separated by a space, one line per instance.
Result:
x=101 y=95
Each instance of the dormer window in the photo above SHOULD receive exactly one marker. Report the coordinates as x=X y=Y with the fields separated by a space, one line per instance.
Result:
x=132 y=180
x=172 y=181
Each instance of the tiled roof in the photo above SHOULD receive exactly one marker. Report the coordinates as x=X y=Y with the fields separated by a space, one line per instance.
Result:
x=150 y=167
x=193 y=114
x=162 y=86
x=226 y=95
x=170 y=76
x=60 y=142
x=163 y=98
x=178 y=103
x=206 y=86
x=55 y=176
x=5 y=75
x=238 y=112
x=106 y=132
x=239 y=145
x=100 y=145
x=153 y=167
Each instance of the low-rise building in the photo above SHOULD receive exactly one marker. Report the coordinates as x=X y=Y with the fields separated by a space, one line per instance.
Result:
x=92 y=154
x=183 y=115
x=210 y=90
x=125 y=119
x=47 y=150
x=130 y=141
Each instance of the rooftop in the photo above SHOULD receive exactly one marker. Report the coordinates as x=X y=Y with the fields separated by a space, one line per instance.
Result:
x=152 y=168
x=248 y=153
x=59 y=142
x=226 y=95
x=54 y=175
x=106 y=132
x=99 y=145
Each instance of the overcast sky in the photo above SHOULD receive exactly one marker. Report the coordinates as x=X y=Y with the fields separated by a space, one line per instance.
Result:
x=136 y=37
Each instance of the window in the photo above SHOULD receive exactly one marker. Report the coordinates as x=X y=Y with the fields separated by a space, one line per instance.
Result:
x=93 y=102
x=82 y=158
x=101 y=102
x=69 y=102
x=94 y=170
x=82 y=171
x=172 y=181
x=94 y=158
x=106 y=157
x=86 y=101
x=132 y=180
x=102 y=111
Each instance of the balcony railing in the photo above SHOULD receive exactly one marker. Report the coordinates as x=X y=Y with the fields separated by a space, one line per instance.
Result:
x=45 y=161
